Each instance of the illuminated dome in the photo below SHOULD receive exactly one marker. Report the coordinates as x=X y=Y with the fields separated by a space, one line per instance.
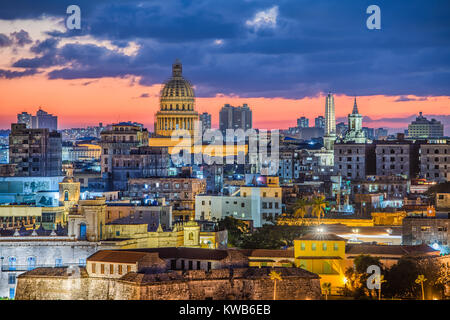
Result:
x=177 y=102
x=177 y=93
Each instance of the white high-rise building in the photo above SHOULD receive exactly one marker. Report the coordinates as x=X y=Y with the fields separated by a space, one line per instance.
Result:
x=330 y=120
x=330 y=123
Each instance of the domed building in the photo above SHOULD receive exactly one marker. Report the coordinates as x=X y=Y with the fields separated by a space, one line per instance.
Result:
x=176 y=105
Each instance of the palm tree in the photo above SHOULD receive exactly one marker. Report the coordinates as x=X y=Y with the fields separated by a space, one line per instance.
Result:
x=318 y=207
x=326 y=286
x=420 y=280
x=300 y=208
x=275 y=276
x=380 y=281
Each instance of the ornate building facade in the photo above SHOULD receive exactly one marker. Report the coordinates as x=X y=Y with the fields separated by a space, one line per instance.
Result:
x=176 y=105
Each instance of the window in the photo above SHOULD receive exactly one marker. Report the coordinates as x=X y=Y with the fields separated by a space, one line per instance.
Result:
x=302 y=246
x=190 y=265
x=111 y=269
x=336 y=246
x=209 y=265
x=31 y=263
x=93 y=268
x=198 y=265
x=102 y=268
x=324 y=246
x=58 y=262
x=11 y=278
x=12 y=293
x=128 y=269
x=313 y=246
x=12 y=263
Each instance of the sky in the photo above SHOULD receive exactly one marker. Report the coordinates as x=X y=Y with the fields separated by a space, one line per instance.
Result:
x=280 y=57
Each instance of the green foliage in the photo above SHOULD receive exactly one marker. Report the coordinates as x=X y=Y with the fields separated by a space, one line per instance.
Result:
x=401 y=278
x=273 y=237
x=357 y=277
x=236 y=230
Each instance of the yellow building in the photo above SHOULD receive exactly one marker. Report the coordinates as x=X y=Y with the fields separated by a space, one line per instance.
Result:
x=323 y=254
x=176 y=105
x=177 y=112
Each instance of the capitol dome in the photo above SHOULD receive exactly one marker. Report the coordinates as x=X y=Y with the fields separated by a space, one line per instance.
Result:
x=177 y=93
x=177 y=102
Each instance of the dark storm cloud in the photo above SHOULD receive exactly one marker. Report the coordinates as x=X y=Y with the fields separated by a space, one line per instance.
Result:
x=314 y=46
x=5 y=41
x=16 y=74
x=21 y=38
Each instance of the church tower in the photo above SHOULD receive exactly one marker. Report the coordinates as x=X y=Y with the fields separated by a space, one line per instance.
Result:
x=355 y=133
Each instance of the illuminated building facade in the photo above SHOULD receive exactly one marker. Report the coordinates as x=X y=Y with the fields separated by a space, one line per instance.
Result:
x=176 y=105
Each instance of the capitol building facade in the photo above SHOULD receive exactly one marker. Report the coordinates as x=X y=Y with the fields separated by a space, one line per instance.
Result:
x=177 y=102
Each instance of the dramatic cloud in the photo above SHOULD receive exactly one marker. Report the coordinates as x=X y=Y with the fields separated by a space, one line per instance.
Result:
x=4 y=41
x=21 y=38
x=294 y=49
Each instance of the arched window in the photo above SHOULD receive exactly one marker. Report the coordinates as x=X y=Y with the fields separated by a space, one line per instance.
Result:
x=191 y=236
x=12 y=263
x=66 y=195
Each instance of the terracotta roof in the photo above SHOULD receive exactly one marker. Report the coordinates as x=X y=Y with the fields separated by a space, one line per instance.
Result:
x=117 y=256
x=185 y=253
x=322 y=237
x=289 y=253
x=398 y=250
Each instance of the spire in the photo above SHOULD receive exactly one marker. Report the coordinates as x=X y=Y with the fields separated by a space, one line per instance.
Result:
x=355 y=108
x=177 y=68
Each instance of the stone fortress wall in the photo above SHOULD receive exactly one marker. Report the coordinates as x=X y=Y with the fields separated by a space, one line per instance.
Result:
x=222 y=284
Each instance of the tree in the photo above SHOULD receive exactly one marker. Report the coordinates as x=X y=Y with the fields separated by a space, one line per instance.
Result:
x=400 y=279
x=300 y=208
x=357 y=276
x=326 y=286
x=271 y=236
x=420 y=280
x=236 y=230
x=318 y=207
x=275 y=276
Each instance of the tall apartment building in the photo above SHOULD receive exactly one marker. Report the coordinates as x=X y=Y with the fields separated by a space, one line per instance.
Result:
x=25 y=118
x=354 y=161
x=44 y=120
x=435 y=161
x=303 y=122
x=399 y=157
x=381 y=133
x=178 y=192
x=205 y=119
x=319 y=122
x=423 y=128
x=119 y=139
x=35 y=152
x=235 y=118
